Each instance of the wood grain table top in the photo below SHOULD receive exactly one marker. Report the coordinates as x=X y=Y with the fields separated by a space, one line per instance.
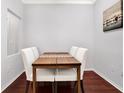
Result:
x=50 y=59
x=44 y=61
x=67 y=60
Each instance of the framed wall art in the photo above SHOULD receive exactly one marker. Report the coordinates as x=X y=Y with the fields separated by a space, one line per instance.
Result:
x=113 y=17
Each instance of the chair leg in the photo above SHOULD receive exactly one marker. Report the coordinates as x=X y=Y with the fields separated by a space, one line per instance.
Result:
x=27 y=86
x=82 y=88
x=75 y=87
x=31 y=85
x=53 y=87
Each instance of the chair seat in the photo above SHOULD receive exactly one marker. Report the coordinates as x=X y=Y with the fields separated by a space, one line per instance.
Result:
x=44 y=75
x=66 y=75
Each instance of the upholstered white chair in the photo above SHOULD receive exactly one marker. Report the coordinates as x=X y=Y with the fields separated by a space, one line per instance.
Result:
x=73 y=50
x=81 y=56
x=36 y=53
x=43 y=75
x=71 y=74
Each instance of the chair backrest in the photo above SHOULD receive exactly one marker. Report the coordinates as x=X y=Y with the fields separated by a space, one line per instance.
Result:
x=73 y=50
x=36 y=53
x=28 y=59
x=81 y=56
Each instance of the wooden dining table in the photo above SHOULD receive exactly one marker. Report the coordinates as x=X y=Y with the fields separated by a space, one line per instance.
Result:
x=56 y=60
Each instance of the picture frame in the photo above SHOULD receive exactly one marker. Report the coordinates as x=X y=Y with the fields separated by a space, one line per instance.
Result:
x=113 y=17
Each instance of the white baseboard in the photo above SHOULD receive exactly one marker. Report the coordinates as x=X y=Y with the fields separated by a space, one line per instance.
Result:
x=108 y=80
x=11 y=81
x=89 y=69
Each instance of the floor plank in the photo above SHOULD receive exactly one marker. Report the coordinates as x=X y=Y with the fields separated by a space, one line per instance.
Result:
x=93 y=83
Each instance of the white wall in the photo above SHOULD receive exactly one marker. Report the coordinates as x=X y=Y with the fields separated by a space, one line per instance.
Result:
x=11 y=66
x=58 y=27
x=108 y=47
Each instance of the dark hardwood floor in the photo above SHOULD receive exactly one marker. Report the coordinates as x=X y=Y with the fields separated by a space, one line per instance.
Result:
x=93 y=83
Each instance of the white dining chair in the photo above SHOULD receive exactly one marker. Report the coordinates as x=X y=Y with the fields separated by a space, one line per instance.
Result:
x=35 y=51
x=81 y=56
x=43 y=75
x=71 y=74
x=73 y=51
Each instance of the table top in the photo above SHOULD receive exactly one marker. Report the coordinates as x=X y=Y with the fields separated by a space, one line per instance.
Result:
x=44 y=61
x=67 y=60
x=55 y=59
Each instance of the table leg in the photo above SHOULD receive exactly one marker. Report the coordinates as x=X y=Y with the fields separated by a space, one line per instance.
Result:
x=78 y=79
x=34 y=80
x=55 y=86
